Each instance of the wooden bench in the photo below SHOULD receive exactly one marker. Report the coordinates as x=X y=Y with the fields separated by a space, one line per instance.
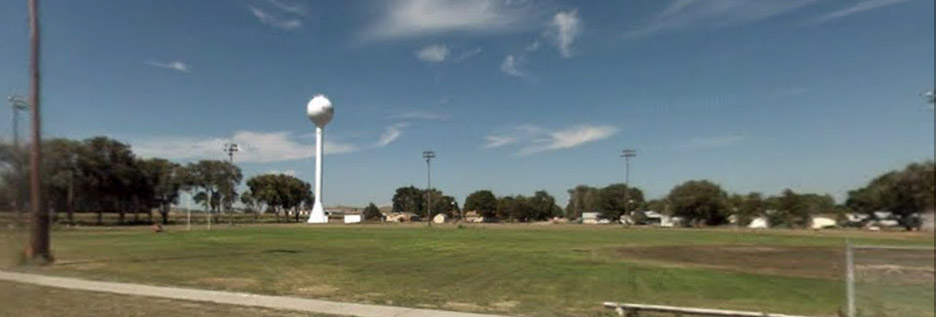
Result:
x=632 y=310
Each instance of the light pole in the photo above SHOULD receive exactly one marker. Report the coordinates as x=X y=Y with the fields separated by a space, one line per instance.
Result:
x=627 y=154
x=230 y=148
x=320 y=111
x=930 y=97
x=17 y=104
x=428 y=155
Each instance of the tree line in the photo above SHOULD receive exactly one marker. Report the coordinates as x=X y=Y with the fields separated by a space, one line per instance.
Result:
x=906 y=193
x=519 y=208
x=102 y=175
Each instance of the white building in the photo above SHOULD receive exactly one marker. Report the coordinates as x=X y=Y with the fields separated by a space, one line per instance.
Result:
x=926 y=221
x=820 y=222
x=353 y=218
x=591 y=218
x=440 y=218
x=759 y=223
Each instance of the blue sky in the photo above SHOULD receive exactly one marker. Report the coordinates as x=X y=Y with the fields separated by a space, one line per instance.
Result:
x=513 y=95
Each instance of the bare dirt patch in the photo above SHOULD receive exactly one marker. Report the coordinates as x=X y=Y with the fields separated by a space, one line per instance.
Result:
x=814 y=262
x=904 y=266
x=505 y=304
x=463 y=306
x=230 y=283
x=316 y=290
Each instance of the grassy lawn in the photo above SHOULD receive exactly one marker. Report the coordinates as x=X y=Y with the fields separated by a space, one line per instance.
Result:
x=30 y=300
x=550 y=270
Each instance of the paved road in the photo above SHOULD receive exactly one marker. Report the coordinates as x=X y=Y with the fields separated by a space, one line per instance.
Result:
x=232 y=298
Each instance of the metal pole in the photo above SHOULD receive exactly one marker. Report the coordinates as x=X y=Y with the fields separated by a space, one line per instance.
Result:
x=188 y=214
x=849 y=278
x=627 y=154
x=16 y=105
x=319 y=153
x=230 y=148
x=428 y=155
x=428 y=192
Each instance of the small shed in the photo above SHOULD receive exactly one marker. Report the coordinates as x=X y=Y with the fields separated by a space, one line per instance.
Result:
x=591 y=218
x=759 y=223
x=820 y=222
x=474 y=217
x=353 y=218
x=440 y=218
x=401 y=217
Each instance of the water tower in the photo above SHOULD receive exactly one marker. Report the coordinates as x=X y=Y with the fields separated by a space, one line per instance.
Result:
x=320 y=111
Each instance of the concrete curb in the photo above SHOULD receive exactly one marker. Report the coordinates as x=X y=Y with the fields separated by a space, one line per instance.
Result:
x=232 y=298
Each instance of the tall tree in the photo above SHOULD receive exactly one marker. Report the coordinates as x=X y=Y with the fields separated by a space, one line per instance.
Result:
x=483 y=202
x=699 y=202
x=371 y=212
x=409 y=199
x=60 y=166
x=904 y=192
x=216 y=179
x=749 y=206
x=280 y=192
x=165 y=181
x=107 y=166
x=611 y=200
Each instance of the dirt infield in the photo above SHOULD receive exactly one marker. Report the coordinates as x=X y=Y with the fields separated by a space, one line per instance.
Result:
x=814 y=262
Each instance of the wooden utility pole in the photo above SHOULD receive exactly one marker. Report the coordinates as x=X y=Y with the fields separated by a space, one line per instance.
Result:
x=38 y=250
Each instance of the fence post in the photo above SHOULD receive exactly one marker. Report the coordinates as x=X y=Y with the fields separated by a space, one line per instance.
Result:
x=849 y=278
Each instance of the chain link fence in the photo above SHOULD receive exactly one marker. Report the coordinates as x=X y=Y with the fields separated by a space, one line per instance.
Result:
x=884 y=281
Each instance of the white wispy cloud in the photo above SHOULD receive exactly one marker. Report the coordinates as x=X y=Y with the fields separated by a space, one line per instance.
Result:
x=418 y=115
x=496 y=141
x=391 y=134
x=283 y=172
x=565 y=28
x=174 y=65
x=856 y=8
x=709 y=142
x=536 y=139
x=516 y=134
x=273 y=20
x=435 y=53
x=511 y=66
x=686 y=14
x=255 y=147
x=294 y=8
x=413 y=18
x=468 y=54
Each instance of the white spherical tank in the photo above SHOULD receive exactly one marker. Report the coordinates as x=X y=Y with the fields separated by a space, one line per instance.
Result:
x=320 y=110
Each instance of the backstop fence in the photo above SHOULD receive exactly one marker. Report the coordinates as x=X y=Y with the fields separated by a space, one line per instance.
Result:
x=889 y=281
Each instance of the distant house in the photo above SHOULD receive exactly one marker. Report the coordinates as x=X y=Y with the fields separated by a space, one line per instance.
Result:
x=440 y=218
x=822 y=222
x=344 y=214
x=591 y=218
x=651 y=218
x=475 y=217
x=759 y=223
x=401 y=217
x=926 y=221
x=855 y=219
x=884 y=219
x=353 y=218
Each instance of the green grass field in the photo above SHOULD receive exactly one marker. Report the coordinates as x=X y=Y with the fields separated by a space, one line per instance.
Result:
x=531 y=270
